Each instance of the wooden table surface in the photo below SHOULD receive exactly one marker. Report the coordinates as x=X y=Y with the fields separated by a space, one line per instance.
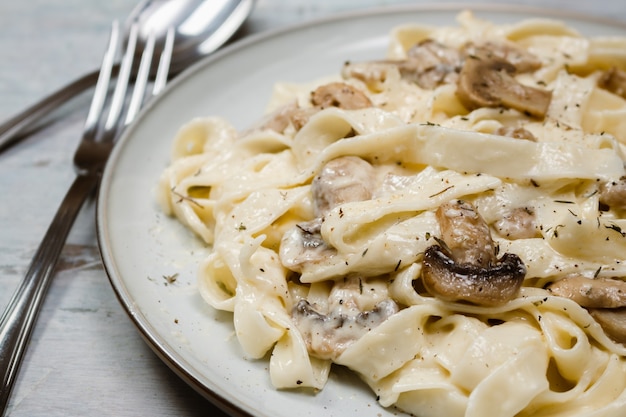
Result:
x=86 y=358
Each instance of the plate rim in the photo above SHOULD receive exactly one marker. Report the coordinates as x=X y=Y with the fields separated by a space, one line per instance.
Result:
x=169 y=357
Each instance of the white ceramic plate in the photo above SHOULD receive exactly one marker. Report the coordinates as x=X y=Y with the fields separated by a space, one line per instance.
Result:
x=140 y=246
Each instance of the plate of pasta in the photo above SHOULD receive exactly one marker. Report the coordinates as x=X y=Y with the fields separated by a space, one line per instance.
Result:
x=406 y=211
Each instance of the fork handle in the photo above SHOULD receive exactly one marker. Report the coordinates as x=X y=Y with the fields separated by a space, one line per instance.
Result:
x=18 y=319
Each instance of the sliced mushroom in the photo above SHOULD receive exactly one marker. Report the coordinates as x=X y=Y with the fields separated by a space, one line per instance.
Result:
x=612 y=321
x=354 y=307
x=304 y=244
x=340 y=95
x=428 y=64
x=279 y=119
x=465 y=266
x=518 y=224
x=327 y=336
x=433 y=54
x=334 y=94
x=452 y=281
x=301 y=116
x=522 y=60
x=614 y=80
x=489 y=82
x=466 y=234
x=604 y=298
x=591 y=292
x=342 y=180
x=613 y=194
x=515 y=133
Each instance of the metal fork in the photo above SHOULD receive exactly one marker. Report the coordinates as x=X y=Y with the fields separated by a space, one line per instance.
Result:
x=17 y=321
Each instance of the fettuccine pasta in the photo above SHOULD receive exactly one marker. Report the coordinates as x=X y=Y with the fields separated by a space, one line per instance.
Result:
x=448 y=222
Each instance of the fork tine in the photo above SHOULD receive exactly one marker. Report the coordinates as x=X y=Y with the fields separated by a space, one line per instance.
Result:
x=140 y=81
x=164 y=63
x=112 y=125
x=102 y=86
x=119 y=94
x=143 y=73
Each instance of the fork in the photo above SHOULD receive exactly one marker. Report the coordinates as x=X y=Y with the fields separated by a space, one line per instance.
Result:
x=99 y=134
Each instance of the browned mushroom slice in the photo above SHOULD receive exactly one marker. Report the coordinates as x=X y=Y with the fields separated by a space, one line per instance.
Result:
x=489 y=82
x=291 y=113
x=304 y=245
x=487 y=286
x=432 y=53
x=519 y=223
x=340 y=95
x=604 y=298
x=612 y=321
x=327 y=336
x=427 y=78
x=614 y=80
x=515 y=133
x=591 y=292
x=375 y=72
x=613 y=194
x=430 y=64
x=465 y=266
x=337 y=94
x=301 y=116
x=342 y=180
x=522 y=60
x=279 y=119
x=465 y=233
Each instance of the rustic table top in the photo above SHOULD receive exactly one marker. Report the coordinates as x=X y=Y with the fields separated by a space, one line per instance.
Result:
x=86 y=357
